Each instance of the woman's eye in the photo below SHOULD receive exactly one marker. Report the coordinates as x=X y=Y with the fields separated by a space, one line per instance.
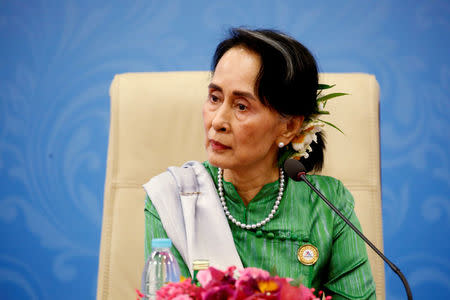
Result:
x=213 y=98
x=242 y=107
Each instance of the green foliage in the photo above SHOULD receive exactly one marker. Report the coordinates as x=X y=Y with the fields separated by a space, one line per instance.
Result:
x=323 y=86
x=273 y=271
x=323 y=112
x=296 y=282
x=332 y=125
x=330 y=96
x=324 y=99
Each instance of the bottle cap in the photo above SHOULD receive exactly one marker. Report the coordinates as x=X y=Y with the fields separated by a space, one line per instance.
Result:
x=200 y=264
x=161 y=243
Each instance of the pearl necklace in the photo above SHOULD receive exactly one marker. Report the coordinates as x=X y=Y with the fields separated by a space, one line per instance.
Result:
x=248 y=226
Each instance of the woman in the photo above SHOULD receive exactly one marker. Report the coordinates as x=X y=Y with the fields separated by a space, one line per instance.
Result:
x=237 y=207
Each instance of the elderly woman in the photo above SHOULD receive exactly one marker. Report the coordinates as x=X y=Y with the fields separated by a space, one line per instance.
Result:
x=238 y=207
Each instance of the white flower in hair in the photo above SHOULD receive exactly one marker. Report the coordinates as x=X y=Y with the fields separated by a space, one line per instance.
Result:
x=308 y=134
x=311 y=126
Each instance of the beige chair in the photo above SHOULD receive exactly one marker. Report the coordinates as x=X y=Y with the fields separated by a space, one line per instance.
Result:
x=156 y=122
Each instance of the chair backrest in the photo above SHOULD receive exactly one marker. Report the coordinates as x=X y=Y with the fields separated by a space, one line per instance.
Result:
x=156 y=123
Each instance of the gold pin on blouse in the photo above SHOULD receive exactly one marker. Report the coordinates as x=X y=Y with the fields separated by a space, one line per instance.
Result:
x=308 y=254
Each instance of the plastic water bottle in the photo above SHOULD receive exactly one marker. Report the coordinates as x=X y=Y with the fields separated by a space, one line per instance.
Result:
x=160 y=268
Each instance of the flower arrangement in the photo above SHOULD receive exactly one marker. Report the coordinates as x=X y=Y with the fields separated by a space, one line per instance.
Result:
x=301 y=144
x=252 y=284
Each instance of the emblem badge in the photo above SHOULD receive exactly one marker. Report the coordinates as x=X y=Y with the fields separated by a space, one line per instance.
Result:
x=308 y=254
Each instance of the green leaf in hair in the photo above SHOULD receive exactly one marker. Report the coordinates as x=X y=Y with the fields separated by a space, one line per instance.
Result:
x=323 y=86
x=330 y=96
x=332 y=125
x=323 y=112
x=311 y=127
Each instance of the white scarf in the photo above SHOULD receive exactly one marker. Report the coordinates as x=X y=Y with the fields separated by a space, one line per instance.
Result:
x=192 y=215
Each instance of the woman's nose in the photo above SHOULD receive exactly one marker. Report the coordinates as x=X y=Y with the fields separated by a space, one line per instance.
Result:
x=221 y=120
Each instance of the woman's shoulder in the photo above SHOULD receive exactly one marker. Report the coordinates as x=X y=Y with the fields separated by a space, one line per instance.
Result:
x=323 y=179
x=333 y=189
x=327 y=183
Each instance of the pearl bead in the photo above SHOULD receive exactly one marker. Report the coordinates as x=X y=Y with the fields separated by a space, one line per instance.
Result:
x=258 y=224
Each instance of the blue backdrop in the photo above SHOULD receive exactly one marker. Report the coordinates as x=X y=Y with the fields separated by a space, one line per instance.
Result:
x=59 y=57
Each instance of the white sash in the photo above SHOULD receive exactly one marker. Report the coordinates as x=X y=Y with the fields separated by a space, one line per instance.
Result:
x=192 y=215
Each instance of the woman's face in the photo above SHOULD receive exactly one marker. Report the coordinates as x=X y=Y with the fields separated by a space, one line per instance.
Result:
x=241 y=132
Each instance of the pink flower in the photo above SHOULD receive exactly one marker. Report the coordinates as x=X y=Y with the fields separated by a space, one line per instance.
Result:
x=139 y=294
x=258 y=284
x=213 y=277
x=296 y=293
x=180 y=291
x=247 y=284
x=204 y=277
x=253 y=284
x=218 y=285
x=182 y=297
x=253 y=273
x=222 y=292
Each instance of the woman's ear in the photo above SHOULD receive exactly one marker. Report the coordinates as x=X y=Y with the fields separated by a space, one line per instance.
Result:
x=292 y=128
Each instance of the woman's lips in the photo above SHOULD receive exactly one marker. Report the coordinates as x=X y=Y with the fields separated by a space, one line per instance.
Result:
x=215 y=145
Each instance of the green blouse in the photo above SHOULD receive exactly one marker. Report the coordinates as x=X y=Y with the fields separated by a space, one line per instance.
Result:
x=342 y=269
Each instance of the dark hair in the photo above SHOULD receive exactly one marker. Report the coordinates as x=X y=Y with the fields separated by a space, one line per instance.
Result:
x=287 y=81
